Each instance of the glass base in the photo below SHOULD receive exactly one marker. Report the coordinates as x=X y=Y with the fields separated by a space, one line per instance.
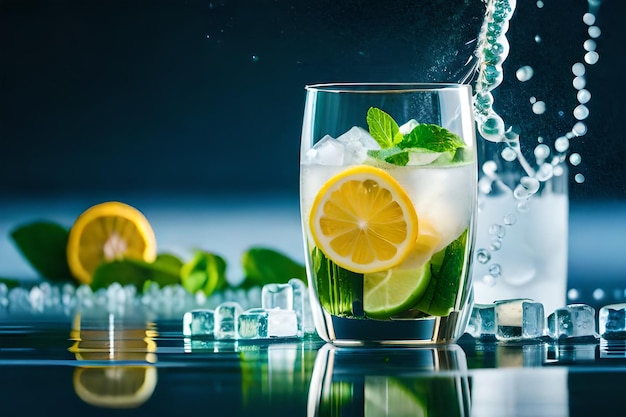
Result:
x=353 y=332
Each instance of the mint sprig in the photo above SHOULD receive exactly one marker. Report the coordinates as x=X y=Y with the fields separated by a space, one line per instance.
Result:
x=396 y=147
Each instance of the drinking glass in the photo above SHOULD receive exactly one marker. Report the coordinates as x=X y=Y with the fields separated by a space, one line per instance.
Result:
x=388 y=181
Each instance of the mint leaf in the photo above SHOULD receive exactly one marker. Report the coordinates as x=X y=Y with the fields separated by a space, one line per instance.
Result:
x=383 y=128
x=9 y=282
x=393 y=155
x=136 y=272
x=43 y=244
x=264 y=266
x=206 y=272
x=433 y=138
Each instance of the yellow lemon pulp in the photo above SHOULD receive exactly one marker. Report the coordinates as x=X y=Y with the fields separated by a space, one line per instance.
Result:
x=106 y=232
x=363 y=220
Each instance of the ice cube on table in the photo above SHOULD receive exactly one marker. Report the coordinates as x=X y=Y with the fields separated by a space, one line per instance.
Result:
x=612 y=321
x=574 y=322
x=300 y=303
x=253 y=324
x=328 y=151
x=198 y=322
x=481 y=324
x=519 y=319
x=277 y=296
x=357 y=141
x=226 y=316
x=282 y=323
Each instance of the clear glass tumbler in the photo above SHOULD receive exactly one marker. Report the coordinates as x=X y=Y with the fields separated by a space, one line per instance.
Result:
x=388 y=180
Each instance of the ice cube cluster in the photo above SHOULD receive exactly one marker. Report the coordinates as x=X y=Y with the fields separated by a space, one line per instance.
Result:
x=523 y=319
x=284 y=313
x=348 y=149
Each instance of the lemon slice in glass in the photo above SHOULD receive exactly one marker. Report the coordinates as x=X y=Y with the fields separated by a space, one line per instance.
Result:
x=363 y=220
x=106 y=232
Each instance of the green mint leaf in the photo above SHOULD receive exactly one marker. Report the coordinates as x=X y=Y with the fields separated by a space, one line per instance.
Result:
x=392 y=155
x=9 y=282
x=383 y=128
x=265 y=266
x=163 y=271
x=43 y=244
x=206 y=272
x=433 y=138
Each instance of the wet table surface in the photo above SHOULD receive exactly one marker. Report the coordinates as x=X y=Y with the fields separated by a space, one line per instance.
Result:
x=118 y=368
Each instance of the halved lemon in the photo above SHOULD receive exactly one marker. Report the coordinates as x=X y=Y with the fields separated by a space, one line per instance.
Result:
x=106 y=232
x=363 y=220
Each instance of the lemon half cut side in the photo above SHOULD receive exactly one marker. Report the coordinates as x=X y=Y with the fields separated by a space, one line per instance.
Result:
x=363 y=220
x=106 y=232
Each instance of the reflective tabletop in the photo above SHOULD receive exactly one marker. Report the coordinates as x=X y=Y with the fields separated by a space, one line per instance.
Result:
x=122 y=368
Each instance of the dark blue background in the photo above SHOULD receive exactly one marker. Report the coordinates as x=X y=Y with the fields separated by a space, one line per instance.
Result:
x=199 y=96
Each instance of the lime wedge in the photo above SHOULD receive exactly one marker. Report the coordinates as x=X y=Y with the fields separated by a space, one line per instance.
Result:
x=390 y=292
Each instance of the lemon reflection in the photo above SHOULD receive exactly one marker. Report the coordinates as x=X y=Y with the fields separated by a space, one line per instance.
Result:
x=127 y=379
x=390 y=382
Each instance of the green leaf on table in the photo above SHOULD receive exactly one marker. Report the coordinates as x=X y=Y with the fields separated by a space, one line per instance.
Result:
x=206 y=272
x=164 y=271
x=265 y=266
x=43 y=244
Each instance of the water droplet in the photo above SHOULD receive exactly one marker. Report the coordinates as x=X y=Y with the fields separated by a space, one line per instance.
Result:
x=575 y=159
x=573 y=294
x=520 y=192
x=579 y=178
x=495 y=244
x=539 y=4
x=589 y=19
x=483 y=256
x=489 y=280
x=537 y=39
x=497 y=230
x=579 y=82
x=594 y=31
x=532 y=100
x=539 y=107
x=579 y=129
x=598 y=294
x=255 y=58
x=561 y=144
x=578 y=69
x=495 y=270
x=545 y=172
x=490 y=168
x=508 y=154
x=530 y=183
x=510 y=219
x=592 y=57
x=583 y=96
x=581 y=112
x=589 y=45
x=522 y=206
x=542 y=152
x=524 y=73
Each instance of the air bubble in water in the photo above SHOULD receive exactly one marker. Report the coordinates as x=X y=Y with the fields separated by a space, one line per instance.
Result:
x=497 y=230
x=581 y=112
x=561 y=144
x=255 y=58
x=483 y=256
x=583 y=96
x=589 y=45
x=537 y=38
x=495 y=270
x=542 y=152
x=589 y=19
x=575 y=159
x=524 y=73
x=539 y=4
x=539 y=107
x=522 y=206
x=510 y=219
x=489 y=280
x=508 y=154
x=490 y=168
x=579 y=178
x=495 y=244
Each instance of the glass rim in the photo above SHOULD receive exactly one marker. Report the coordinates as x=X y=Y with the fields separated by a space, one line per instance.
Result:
x=384 y=87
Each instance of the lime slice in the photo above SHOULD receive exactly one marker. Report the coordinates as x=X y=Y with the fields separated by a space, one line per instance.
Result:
x=390 y=292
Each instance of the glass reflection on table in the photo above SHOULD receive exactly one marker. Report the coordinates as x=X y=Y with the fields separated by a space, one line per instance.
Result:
x=389 y=381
